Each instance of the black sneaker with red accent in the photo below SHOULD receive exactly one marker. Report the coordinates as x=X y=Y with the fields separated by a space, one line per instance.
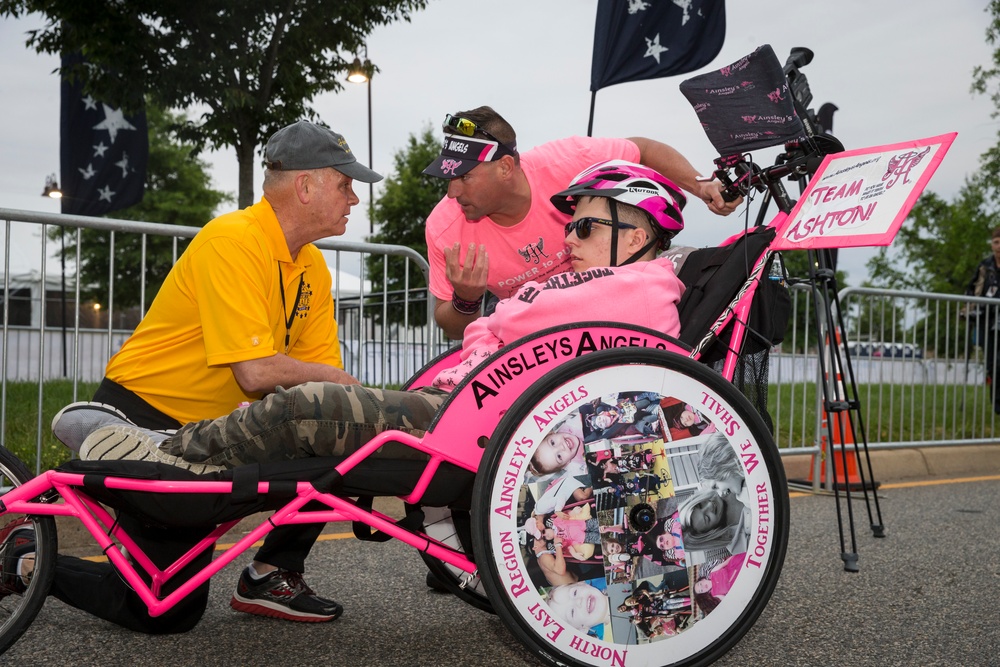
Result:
x=282 y=594
x=17 y=539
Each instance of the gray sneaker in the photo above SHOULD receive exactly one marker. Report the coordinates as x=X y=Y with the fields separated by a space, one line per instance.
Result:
x=132 y=443
x=76 y=421
x=282 y=594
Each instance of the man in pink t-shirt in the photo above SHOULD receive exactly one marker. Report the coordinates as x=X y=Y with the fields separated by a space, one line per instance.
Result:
x=497 y=230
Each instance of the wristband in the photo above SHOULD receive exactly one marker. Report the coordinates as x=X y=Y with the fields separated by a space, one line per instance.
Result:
x=466 y=307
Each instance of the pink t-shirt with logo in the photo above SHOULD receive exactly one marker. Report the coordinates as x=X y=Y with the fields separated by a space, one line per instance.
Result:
x=533 y=249
x=644 y=293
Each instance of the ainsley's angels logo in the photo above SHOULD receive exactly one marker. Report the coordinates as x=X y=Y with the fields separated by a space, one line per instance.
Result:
x=449 y=166
x=533 y=251
x=901 y=165
x=737 y=66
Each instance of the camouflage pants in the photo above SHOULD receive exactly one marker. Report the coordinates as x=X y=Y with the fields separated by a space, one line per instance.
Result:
x=312 y=419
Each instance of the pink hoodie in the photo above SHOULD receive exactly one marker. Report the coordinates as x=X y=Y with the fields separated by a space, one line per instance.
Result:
x=644 y=293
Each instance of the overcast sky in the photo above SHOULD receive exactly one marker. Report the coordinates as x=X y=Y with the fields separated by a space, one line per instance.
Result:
x=897 y=69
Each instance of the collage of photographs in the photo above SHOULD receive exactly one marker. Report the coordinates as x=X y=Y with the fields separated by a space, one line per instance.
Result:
x=634 y=517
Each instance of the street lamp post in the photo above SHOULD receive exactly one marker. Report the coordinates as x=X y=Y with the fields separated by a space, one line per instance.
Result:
x=53 y=191
x=362 y=73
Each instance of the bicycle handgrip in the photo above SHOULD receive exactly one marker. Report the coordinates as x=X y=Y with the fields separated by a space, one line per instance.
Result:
x=730 y=195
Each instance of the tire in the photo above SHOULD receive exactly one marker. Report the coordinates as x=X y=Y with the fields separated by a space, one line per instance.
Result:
x=18 y=611
x=644 y=605
x=439 y=523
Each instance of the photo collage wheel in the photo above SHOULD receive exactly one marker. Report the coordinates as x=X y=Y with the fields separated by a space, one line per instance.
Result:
x=631 y=509
x=20 y=600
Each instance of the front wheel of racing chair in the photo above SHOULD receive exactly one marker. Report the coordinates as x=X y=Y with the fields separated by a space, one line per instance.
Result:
x=20 y=603
x=668 y=589
x=444 y=524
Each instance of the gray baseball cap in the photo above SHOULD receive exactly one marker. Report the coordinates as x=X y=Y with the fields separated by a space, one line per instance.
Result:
x=305 y=145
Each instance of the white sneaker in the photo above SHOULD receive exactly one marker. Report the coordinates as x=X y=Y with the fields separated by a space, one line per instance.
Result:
x=119 y=442
x=76 y=421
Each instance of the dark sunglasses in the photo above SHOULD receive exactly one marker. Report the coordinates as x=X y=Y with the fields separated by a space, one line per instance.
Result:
x=467 y=127
x=584 y=225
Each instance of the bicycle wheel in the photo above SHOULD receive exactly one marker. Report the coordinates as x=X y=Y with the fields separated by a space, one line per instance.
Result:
x=631 y=509
x=17 y=611
x=440 y=524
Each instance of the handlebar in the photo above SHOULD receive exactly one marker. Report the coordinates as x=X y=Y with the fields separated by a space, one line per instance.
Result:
x=800 y=159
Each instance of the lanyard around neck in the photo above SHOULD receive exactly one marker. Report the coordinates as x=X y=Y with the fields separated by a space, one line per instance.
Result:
x=295 y=306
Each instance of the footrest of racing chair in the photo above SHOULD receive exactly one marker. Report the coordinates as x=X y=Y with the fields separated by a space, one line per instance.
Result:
x=374 y=477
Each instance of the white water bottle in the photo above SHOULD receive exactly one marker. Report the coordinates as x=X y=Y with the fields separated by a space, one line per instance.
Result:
x=777 y=272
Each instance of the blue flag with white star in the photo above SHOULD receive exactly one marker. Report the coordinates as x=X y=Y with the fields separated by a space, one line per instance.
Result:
x=647 y=39
x=103 y=153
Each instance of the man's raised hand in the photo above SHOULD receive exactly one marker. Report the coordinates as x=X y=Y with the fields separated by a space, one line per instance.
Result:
x=468 y=281
x=711 y=194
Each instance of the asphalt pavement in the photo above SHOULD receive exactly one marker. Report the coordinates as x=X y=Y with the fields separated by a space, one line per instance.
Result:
x=925 y=595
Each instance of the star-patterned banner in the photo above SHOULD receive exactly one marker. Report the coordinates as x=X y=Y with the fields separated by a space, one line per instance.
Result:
x=647 y=39
x=103 y=154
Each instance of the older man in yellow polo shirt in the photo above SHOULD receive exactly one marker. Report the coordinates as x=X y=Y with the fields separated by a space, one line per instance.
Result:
x=247 y=308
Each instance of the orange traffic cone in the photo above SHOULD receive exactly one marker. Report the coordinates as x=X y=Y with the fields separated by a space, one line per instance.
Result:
x=843 y=447
x=845 y=475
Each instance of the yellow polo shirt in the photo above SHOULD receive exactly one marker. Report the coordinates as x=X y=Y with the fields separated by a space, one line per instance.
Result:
x=222 y=303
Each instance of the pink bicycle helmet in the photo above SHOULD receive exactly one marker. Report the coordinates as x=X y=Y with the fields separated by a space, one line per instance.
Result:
x=629 y=183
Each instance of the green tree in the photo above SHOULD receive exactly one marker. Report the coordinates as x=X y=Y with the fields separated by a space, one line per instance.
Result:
x=939 y=246
x=937 y=250
x=407 y=198
x=986 y=81
x=177 y=193
x=253 y=64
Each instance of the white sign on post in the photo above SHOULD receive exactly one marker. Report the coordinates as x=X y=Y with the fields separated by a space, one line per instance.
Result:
x=861 y=197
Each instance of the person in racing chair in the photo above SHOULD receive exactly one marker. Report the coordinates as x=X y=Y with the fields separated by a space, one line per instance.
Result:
x=623 y=215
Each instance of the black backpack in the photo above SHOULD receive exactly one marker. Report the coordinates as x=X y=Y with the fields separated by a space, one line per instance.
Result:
x=713 y=277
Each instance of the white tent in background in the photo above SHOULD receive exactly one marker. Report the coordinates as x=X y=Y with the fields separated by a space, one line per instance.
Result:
x=348 y=285
x=26 y=290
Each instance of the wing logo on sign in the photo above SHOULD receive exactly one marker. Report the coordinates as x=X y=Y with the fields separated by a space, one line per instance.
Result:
x=900 y=166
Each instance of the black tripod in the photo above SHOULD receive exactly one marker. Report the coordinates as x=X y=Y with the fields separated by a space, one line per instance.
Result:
x=841 y=403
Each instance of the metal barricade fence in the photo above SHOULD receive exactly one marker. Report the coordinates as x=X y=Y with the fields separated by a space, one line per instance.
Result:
x=790 y=381
x=920 y=363
x=918 y=359
x=50 y=334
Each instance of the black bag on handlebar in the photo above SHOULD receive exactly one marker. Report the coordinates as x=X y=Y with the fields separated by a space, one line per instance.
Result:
x=745 y=106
